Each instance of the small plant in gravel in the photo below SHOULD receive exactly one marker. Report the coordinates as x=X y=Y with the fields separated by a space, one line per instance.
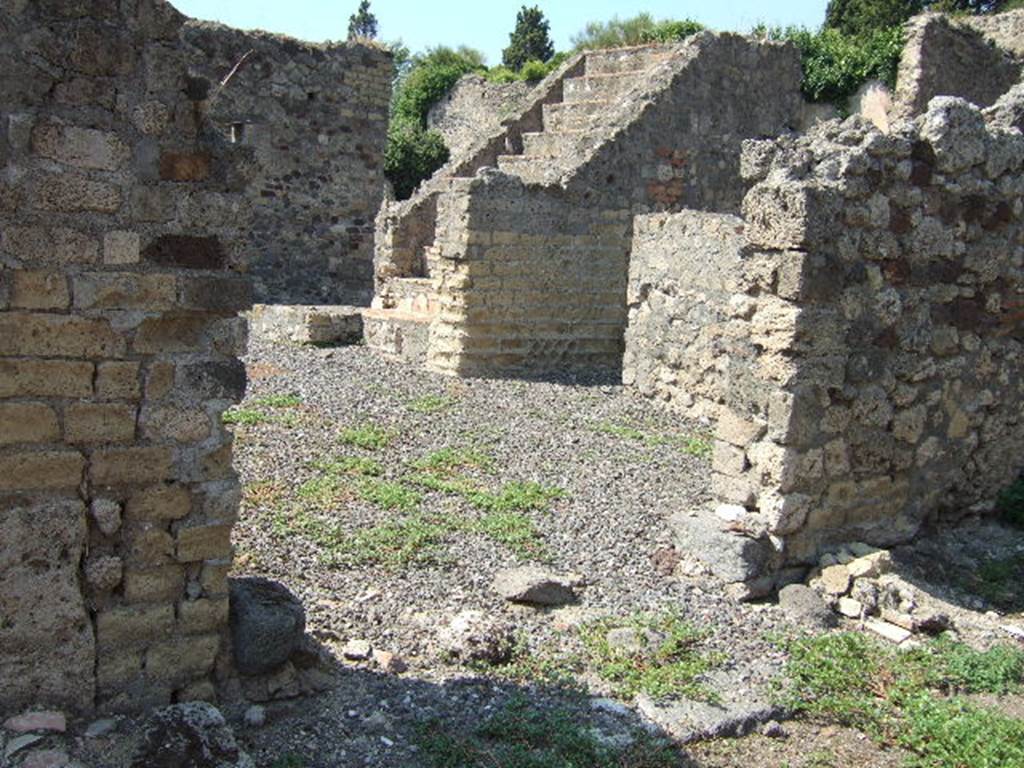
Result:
x=278 y=401
x=264 y=493
x=661 y=655
x=448 y=460
x=246 y=417
x=515 y=531
x=351 y=465
x=694 y=445
x=524 y=735
x=904 y=698
x=388 y=495
x=369 y=437
x=324 y=491
x=429 y=404
x=409 y=540
x=515 y=497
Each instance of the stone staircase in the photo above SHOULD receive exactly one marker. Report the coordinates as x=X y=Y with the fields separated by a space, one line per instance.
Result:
x=580 y=98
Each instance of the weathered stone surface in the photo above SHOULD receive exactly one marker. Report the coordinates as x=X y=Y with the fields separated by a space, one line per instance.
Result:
x=802 y=605
x=533 y=586
x=731 y=556
x=193 y=735
x=475 y=636
x=37 y=722
x=267 y=624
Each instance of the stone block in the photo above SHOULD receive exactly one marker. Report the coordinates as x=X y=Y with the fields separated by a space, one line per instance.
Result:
x=148 y=546
x=213 y=380
x=118 y=381
x=46 y=470
x=80 y=147
x=56 y=245
x=165 y=584
x=120 y=248
x=39 y=289
x=203 y=616
x=738 y=430
x=183 y=425
x=27 y=423
x=213 y=577
x=216 y=464
x=131 y=466
x=186 y=252
x=117 y=670
x=67 y=193
x=24 y=333
x=45 y=378
x=119 y=628
x=158 y=503
x=159 y=381
x=125 y=290
x=728 y=459
x=170 y=334
x=207 y=542
x=99 y=423
x=107 y=515
x=184 y=166
x=182 y=660
x=221 y=294
x=731 y=556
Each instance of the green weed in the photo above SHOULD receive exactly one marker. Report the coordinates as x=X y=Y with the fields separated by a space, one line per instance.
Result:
x=246 y=417
x=351 y=465
x=448 y=460
x=515 y=531
x=522 y=735
x=699 y=446
x=413 y=539
x=667 y=659
x=388 y=495
x=431 y=404
x=515 y=497
x=369 y=437
x=278 y=401
x=324 y=491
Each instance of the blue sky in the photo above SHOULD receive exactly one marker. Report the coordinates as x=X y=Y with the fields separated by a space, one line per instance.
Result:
x=484 y=24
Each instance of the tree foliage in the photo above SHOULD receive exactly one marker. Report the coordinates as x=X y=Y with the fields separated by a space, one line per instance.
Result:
x=362 y=23
x=636 y=30
x=856 y=17
x=529 y=41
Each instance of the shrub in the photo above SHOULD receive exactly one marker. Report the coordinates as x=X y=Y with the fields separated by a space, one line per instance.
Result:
x=412 y=155
x=835 y=65
x=636 y=30
x=532 y=71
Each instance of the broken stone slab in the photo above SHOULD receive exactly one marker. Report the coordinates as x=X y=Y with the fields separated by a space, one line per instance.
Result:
x=37 y=722
x=730 y=555
x=17 y=744
x=534 y=586
x=357 y=650
x=802 y=605
x=193 y=735
x=688 y=720
x=475 y=636
x=852 y=609
x=100 y=728
x=870 y=566
x=888 y=631
x=267 y=624
x=836 y=580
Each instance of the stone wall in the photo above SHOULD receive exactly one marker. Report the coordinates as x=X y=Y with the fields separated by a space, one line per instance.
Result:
x=975 y=58
x=880 y=289
x=315 y=117
x=119 y=345
x=474 y=108
x=530 y=280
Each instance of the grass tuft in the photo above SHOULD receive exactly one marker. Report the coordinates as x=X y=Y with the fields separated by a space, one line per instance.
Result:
x=431 y=404
x=413 y=539
x=369 y=437
x=388 y=495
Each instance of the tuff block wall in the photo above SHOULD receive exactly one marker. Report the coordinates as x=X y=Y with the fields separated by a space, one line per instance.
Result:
x=316 y=118
x=474 y=107
x=879 y=281
x=119 y=345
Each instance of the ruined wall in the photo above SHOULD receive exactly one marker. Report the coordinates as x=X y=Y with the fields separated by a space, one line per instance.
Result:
x=316 y=119
x=118 y=352
x=977 y=58
x=882 y=287
x=474 y=108
x=530 y=280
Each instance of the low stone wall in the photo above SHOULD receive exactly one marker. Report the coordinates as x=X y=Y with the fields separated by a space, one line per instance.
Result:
x=530 y=281
x=474 y=108
x=975 y=58
x=316 y=118
x=863 y=350
x=119 y=345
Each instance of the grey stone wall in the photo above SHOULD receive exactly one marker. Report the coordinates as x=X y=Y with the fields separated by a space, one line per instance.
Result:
x=315 y=117
x=976 y=59
x=474 y=108
x=866 y=340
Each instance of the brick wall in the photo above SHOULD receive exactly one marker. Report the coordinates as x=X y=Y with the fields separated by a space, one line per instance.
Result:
x=119 y=344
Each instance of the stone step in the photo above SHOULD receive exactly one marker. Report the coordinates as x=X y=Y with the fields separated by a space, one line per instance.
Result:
x=533 y=168
x=548 y=143
x=573 y=116
x=408 y=294
x=307 y=324
x=625 y=59
x=403 y=335
x=595 y=87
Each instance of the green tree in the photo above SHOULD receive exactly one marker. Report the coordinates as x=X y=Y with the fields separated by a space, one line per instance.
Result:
x=362 y=23
x=636 y=30
x=857 y=17
x=530 y=41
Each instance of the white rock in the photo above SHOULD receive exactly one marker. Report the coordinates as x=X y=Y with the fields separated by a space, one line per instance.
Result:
x=357 y=650
x=890 y=632
x=850 y=607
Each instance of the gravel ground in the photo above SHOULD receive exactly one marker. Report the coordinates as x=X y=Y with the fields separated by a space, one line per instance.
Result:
x=620 y=487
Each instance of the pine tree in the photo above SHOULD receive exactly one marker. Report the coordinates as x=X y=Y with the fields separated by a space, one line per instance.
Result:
x=362 y=23
x=529 y=41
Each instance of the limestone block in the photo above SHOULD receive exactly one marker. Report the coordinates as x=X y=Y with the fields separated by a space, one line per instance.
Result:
x=71 y=194
x=208 y=542
x=135 y=466
x=121 y=248
x=169 y=333
x=148 y=546
x=47 y=470
x=184 y=425
x=27 y=423
x=118 y=381
x=186 y=252
x=738 y=430
x=38 y=289
x=164 y=584
x=125 y=290
x=203 y=616
x=178 y=660
x=45 y=378
x=57 y=245
x=24 y=333
x=99 y=423
x=158 y=503
x=80 y=147
x=182 y=166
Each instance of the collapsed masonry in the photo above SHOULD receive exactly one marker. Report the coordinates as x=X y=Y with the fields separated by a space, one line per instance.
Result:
x=843 y=306
x=127 y=221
